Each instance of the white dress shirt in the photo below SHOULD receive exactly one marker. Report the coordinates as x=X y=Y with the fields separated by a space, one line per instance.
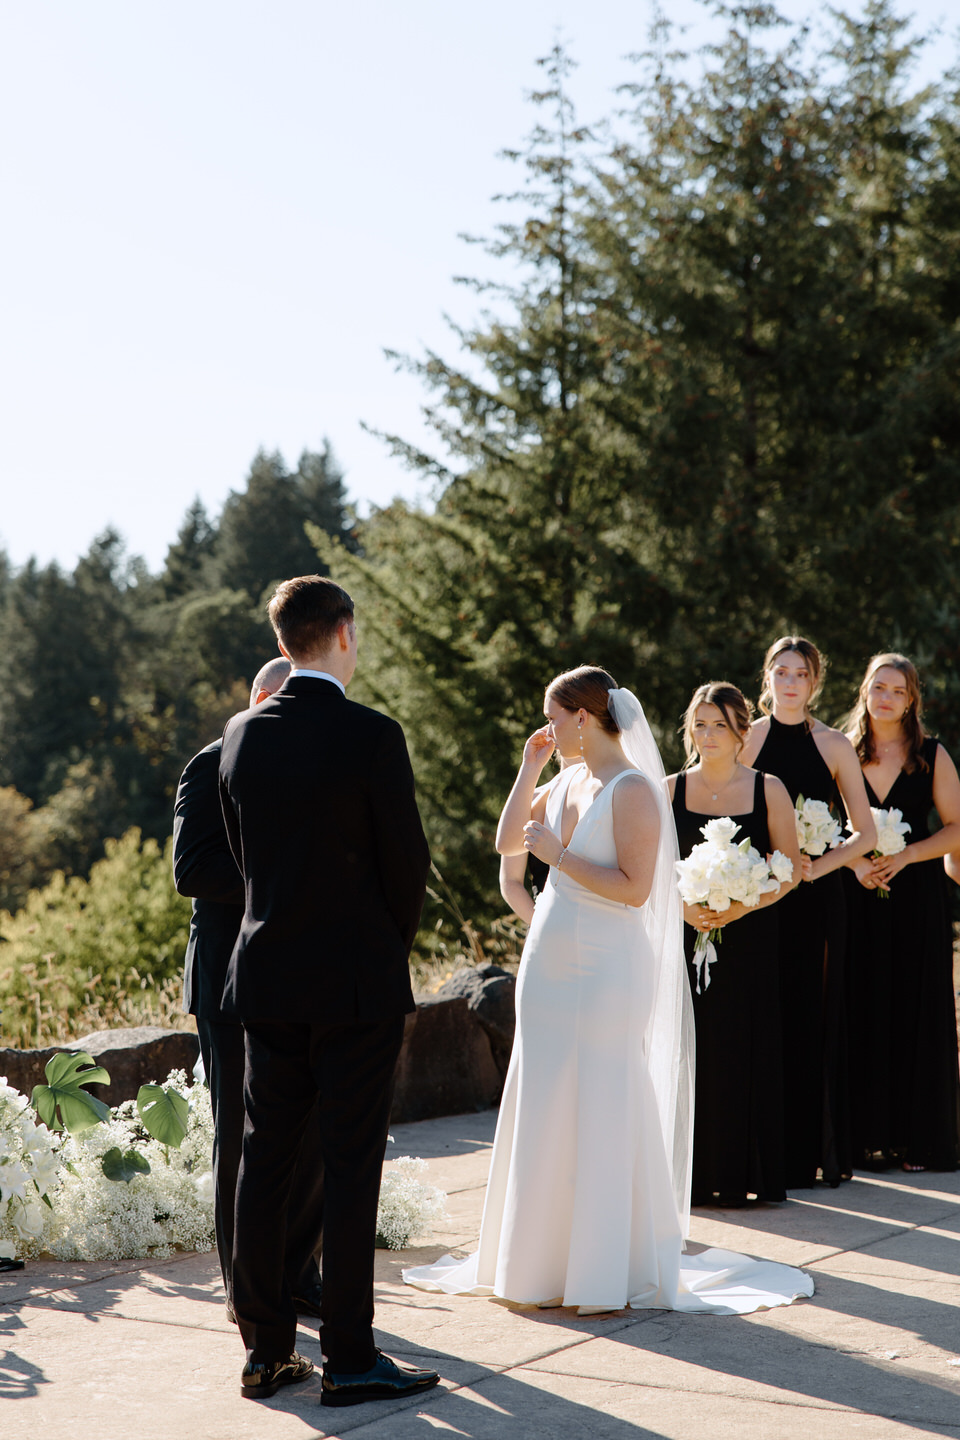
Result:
x=321 y=675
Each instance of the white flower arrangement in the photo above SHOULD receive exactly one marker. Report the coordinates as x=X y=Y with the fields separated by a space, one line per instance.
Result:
x=28 y=1175
x=891 y=832
x=108 y=1189
x=408 y=1208
x=162 y=1200
x=717 y=873
x=818 y=829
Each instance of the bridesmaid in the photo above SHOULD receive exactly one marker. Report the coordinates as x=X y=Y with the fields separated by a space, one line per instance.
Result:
x=819 y=763
x=738 y=1120
x=906 y=1089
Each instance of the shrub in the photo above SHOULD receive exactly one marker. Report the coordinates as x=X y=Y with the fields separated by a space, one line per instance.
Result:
x=82 y=951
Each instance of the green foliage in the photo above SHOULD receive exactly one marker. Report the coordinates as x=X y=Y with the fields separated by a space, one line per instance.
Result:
x=63 y=1103
x=124 y=1165
x=79 y=940
x=164 y=1114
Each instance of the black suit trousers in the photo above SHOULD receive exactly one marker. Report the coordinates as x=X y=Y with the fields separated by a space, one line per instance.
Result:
x=345 y=1073
x=224 y=1059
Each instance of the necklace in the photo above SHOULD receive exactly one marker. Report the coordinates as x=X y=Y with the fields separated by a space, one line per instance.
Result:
x=720 y=788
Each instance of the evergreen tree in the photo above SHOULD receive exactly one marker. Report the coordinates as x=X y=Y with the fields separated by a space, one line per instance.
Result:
x=261 y=537
x=188 y=559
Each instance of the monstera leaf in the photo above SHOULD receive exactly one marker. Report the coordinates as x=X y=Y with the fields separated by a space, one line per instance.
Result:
x=62 y=1103
x=123 y=1165
x=164 y=1114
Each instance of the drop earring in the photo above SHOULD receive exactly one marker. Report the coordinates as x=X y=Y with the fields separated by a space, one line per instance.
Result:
x=580 y=728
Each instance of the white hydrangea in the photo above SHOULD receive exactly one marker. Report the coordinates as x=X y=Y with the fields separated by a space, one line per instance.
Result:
x=817 y=828
x=408 y=1208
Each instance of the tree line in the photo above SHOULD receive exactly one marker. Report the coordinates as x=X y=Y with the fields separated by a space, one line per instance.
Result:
x=716 y=397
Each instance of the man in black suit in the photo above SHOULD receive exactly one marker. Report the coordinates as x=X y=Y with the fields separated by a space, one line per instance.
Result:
x=204 y=868
x=319 y=804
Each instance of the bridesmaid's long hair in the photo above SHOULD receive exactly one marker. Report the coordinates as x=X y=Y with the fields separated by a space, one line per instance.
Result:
x=859 y=728
x=586 y=688
x=733 y=706
x=816 y=664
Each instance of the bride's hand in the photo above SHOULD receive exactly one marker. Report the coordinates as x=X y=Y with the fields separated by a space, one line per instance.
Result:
x=538 y=749
x=541 y=842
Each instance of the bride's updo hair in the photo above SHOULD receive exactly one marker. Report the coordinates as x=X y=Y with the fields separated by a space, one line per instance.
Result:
x=733 y=706
x=586 y=688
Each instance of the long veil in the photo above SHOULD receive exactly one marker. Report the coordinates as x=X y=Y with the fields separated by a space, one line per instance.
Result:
x=669 y=1041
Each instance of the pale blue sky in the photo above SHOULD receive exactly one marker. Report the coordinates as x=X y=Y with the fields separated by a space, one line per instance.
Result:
x=217 y=215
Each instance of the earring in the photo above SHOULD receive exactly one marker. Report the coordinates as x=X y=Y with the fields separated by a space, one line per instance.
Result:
x=580 y=728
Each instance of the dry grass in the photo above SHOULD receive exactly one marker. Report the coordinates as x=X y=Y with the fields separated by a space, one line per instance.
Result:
x=143 y=1003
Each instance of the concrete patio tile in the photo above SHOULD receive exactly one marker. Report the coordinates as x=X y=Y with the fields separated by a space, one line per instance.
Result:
x=868 y=1357
x=492 y=1332
x=812 y=1224
x=40 y=1277
x=702 y=1354
x=530 y=1405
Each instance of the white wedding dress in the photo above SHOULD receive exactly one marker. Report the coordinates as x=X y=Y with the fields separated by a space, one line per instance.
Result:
x=582 y=1204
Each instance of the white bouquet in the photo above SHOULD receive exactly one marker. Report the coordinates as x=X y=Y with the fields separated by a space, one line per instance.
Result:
x=717 y=872
x=891 y=828
x=817 y=828
x=28 y=1175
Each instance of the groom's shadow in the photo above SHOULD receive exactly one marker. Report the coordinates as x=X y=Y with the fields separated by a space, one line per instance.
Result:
x=472 y=1400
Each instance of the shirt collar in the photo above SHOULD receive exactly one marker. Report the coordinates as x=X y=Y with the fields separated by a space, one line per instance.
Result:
x=319 y=675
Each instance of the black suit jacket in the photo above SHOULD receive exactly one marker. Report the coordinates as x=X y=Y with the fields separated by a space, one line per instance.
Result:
x=204 y=868
x=319 y=804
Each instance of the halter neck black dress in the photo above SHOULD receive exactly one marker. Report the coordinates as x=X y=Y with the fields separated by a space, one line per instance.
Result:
x=811 y=955
x=906 y=1089
x=738 y=1122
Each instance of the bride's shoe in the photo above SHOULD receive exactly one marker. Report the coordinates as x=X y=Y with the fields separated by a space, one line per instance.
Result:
x=597 y=1309
x=551 y=1304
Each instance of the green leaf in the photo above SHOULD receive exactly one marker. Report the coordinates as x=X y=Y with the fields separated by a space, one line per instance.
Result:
x=164 y=1114
x=64 y=1093
x=124 y=1165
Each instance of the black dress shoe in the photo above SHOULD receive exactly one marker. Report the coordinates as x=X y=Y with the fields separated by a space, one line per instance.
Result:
x=259 y=1382
x=386 y=1380
x=307 y=1301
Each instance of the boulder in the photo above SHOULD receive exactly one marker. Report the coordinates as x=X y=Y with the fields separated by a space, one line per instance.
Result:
x=25 y=1068
x=491 y=994
x=136 y=1057
x=446 y=1064
x=130 y=1057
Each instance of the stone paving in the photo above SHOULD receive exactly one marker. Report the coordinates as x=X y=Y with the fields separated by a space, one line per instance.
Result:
x=145 y=1350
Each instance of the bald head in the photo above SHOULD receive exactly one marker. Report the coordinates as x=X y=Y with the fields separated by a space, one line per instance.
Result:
x=268 y=679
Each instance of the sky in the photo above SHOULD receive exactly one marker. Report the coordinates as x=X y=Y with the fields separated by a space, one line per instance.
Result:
x=218 y=216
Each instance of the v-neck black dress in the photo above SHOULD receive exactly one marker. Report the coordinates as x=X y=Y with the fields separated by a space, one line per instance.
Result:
x=738 y=1122
x=812 y=956
x=905 y=1079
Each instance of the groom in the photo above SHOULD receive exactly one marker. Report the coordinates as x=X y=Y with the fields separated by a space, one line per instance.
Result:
x=319 y=805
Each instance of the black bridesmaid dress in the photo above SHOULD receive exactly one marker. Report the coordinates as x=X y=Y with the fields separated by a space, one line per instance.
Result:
x=906 y=1089
x=812 y=959
x=738 y=1124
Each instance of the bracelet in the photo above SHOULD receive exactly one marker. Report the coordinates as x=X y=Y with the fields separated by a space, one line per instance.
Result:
x=560 y=857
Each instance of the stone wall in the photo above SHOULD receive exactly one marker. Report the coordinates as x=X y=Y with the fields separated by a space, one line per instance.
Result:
x=456 y=1049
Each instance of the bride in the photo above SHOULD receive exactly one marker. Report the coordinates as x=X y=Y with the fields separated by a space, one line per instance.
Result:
x=588 y=1197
